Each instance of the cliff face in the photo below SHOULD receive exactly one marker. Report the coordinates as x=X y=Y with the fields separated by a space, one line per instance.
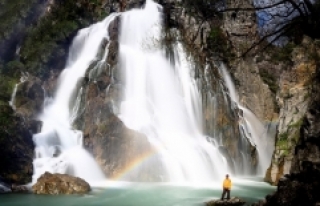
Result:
x=277 y=92
x=33 y=49
x=275 y=85
x=300 y=187
x=293 y=98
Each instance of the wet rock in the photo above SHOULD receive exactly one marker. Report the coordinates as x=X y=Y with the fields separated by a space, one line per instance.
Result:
x=54 y=184
x=19 y=188
x=234 y=201
x=114 y=29
x=294 y=98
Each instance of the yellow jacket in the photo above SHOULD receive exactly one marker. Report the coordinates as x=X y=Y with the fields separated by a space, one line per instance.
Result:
x=227 y=184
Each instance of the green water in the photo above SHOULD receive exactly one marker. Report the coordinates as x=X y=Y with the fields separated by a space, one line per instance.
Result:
x=144 y=194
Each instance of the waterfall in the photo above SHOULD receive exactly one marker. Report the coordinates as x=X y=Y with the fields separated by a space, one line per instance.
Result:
x=161 y=99
x=251 y=127
x=58 y=146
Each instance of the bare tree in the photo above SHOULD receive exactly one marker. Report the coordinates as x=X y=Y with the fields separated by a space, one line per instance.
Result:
x=277 y=21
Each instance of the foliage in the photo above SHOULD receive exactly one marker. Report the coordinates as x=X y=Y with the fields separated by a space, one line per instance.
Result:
x=47 y=42
x=11 y=12
x=6 y=87
x=205 y=9
x=282 y=141
x=270 y=80
x=275 y=19
x=296 y=124
x=282 y=54
x=218 y=43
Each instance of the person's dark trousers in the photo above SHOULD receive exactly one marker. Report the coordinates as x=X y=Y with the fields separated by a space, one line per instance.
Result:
x=224 y=193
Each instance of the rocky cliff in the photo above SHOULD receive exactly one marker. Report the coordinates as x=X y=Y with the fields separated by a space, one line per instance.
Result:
x=277 y=90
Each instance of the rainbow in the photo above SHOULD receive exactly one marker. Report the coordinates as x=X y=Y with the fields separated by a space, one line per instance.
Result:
x=135 y=163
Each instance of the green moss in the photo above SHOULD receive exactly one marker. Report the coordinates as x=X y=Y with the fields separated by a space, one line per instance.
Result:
x=283 y=136
x=282 y=144
x=296 y=124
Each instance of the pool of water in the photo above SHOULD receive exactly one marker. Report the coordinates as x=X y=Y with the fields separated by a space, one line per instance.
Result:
x=145 y=194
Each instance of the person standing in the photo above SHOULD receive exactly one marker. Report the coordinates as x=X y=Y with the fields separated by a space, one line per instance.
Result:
x=226 y=187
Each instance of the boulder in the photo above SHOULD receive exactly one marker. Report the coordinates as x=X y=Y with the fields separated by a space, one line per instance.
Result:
x=55 y=184
x=234 y=201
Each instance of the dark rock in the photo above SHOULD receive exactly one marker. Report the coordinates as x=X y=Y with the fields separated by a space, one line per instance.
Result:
x=16 y=148
x=19 y=188
x=114 y=29
x=300 y=190
x=54 y=184
x=29 y=98
x=234 y=201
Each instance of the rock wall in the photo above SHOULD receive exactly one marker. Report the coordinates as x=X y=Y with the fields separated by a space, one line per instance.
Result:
x=300 y=187
x=278 y=95
x=220 y=115
x=293 y=98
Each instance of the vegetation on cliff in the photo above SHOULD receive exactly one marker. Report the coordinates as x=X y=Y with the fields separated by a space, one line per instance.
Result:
x=50 y=39
x=35 y=39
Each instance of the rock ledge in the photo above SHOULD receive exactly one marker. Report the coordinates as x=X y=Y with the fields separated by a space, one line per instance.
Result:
x=234 y=201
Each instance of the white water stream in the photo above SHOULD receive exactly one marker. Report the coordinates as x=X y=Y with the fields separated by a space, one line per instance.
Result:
x=161 y=99
x=59 y=147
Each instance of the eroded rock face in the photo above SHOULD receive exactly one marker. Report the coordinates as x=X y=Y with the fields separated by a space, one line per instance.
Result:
x=293 y=98
x=54 y=184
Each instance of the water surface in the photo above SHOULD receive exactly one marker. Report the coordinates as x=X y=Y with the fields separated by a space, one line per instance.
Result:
x=145 y=194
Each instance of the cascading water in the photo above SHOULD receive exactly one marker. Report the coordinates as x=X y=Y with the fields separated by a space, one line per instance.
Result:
x=58 y=146
x=251 y=127
x=162 y=101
